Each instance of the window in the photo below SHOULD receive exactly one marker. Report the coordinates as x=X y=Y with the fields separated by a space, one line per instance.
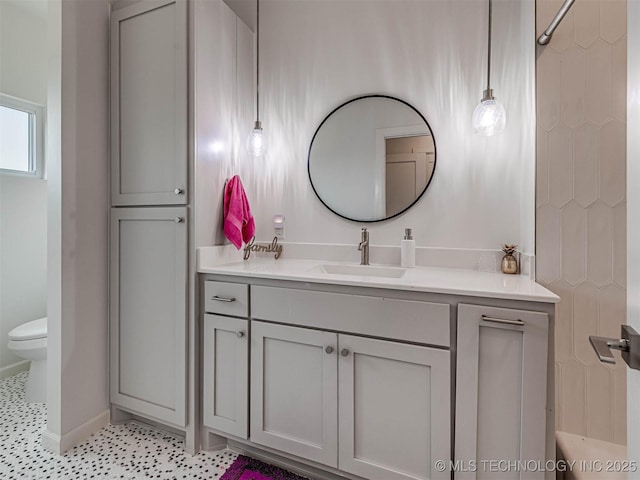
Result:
x=21 y=137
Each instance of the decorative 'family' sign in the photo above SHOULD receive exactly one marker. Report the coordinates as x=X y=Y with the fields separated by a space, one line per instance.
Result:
x=267 y=248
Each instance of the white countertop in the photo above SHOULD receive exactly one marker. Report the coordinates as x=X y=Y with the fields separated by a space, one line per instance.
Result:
x=418 y=279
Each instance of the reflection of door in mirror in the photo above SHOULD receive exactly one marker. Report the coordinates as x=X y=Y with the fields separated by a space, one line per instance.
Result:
x=409 y=165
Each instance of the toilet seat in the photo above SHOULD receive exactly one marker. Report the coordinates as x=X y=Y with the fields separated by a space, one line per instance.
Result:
x=33 y=330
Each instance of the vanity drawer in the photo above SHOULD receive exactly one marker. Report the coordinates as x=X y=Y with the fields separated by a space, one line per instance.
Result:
x=408 y=320
x=226 y=298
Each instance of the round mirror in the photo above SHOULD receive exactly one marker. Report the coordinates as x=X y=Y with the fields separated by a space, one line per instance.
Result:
x=372 y=158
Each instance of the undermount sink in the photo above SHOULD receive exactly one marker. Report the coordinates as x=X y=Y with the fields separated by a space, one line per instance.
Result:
x=364 y=270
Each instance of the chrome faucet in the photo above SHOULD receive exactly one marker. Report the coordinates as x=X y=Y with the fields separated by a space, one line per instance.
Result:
x=363 y=246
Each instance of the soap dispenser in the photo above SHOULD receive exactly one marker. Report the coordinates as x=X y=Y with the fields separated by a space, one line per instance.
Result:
x=408 y=250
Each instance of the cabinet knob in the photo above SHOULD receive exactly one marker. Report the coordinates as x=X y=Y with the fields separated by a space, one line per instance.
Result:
x=179 y=220
x=179 y=191
x=329 y=349
x=344 y=352
x=240 y=334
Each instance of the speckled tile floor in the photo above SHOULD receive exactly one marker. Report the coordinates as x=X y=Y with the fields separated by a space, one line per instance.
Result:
x=128 y=451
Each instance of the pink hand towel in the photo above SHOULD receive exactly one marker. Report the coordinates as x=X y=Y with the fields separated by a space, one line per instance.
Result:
x=238 y=220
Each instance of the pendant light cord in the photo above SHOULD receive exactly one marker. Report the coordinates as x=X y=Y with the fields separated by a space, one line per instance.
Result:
x=488 y=50
x=258 y=60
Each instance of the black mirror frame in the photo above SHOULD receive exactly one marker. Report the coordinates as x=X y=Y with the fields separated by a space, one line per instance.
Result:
x=435 y=157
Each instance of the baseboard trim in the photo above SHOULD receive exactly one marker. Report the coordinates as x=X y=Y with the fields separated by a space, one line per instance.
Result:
x=60 y=444
x=14 y=369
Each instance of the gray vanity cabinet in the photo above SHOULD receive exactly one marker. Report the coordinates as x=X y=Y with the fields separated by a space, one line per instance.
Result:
x=501 y=392
x=225 y=384
x=148 y=285
x=294 y=391
x=375 y=408
x=225 y=369
x=359 y=381
x=394 y=410
x=149 y=103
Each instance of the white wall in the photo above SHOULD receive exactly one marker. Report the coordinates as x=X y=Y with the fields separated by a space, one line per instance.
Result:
x=78 y=212
x=316 y=54
x=23 y=36
x=223 y=82
x=23 y=200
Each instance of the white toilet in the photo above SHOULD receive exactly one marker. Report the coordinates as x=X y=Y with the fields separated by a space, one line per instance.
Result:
x=29 y=341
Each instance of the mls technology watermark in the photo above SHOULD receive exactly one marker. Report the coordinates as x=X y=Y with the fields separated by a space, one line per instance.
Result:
x=501 y=466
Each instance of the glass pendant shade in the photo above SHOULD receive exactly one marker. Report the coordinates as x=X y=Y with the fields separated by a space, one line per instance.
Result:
x=255 y=141
x=489 y=117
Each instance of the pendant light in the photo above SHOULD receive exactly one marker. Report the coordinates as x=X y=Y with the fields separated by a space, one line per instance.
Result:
x=489 y=117
x=255 y=140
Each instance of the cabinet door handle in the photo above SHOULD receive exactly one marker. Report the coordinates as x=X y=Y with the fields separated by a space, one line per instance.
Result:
x=223 y=299
x=179 y=220
x=519 y=323
x=179 y=191
x=329 y=349
x=344 y=352
x=240 y=334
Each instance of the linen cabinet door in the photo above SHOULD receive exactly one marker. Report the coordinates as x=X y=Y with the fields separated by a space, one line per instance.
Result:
x=294 y=382
x=501 y=389
x=226 y=374
x=148 y=315
x=149 y=103
x=394 y=409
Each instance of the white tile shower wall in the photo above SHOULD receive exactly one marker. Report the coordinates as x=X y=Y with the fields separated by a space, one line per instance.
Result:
x=581 y=206
x=317 y=54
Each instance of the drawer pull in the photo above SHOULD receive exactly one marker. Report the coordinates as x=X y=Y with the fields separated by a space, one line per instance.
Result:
x=223 y=299
x=239 y=334
x=519 y=323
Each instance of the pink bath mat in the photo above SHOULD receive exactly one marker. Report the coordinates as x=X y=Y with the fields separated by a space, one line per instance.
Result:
x=245 y=468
